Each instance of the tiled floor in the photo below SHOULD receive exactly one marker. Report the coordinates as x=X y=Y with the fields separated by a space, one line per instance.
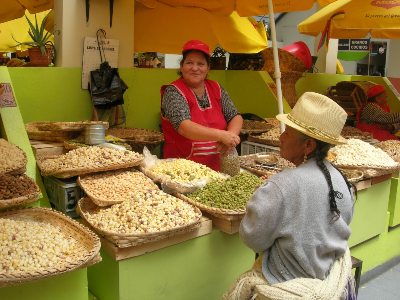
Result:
x=384 y=287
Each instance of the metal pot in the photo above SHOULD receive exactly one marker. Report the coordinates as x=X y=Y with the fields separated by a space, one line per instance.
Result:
x=95 y=134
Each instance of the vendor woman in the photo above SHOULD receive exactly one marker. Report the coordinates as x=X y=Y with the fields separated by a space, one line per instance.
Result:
x=199 y=120
x=375 y=116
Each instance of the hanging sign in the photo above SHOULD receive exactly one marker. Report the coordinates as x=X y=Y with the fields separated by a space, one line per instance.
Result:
x=7 y=98
x=91 y=56
x=353 y=45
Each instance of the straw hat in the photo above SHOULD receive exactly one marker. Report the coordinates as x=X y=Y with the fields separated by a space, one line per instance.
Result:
x=318 y=117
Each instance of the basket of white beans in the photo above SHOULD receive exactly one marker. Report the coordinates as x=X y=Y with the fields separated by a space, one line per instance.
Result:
x=359 y=155
x=37 y=243
x=148 y=216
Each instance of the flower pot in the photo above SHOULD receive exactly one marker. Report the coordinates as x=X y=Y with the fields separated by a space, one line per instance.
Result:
x=36 y=57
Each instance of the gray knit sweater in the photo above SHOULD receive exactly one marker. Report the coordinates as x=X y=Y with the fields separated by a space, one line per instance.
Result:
x=288 y=220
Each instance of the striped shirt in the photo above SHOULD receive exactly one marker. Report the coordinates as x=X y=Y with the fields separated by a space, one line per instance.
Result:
x=372 y=114
x=175 y=108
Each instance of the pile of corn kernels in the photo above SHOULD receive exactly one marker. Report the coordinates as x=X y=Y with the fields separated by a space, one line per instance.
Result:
x=359 y=153
x=116 y=185
x=89 y=157
x=184 y=170
x=151 y=211
x=391 y=147
x=11 y=157
x=34 y=246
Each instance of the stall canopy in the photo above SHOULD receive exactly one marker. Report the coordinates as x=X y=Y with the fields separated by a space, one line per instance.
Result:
x=18 y=29
x=244 y=8
x=352 y=19
x=166 y=29
x=13 y=9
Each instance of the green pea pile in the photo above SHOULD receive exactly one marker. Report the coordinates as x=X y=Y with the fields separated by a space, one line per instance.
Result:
x=232 y=193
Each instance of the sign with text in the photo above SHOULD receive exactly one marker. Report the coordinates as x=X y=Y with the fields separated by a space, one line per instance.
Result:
x=353 y=45
x=91 y=56
x=7 y=98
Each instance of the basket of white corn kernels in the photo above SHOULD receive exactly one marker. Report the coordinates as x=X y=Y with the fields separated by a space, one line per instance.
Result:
x=359 y=155
x=181 y=175
x=38 y=243
x=147 y=216
x=87 y=160
x=12 y=159
x=113 y=187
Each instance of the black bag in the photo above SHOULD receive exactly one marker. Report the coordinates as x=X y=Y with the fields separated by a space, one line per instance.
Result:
x=107 y=88
x=105 y=85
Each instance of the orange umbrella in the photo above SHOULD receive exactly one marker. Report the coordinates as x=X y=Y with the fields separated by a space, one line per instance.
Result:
x=13 y=9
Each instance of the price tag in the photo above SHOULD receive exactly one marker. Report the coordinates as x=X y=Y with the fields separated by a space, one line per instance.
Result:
x=7 y=98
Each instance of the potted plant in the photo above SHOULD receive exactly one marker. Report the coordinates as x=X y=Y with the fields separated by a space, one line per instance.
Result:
x=41 y=51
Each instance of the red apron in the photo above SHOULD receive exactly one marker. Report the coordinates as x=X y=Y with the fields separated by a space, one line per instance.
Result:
x=378 y=134
x=176 y=145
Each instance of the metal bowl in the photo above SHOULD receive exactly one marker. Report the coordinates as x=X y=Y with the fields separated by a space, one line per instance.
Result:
x=267 y=159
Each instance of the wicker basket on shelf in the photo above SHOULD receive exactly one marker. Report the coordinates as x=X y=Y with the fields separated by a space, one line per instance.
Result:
x=226 y=214
x=32 y=196
x=255 y=127
x=69 y=227
x=122 y=240
x=34 y=133
x=137 y=138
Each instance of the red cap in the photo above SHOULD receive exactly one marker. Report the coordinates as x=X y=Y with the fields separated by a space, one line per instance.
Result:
x=196 y=45
x=375 y=90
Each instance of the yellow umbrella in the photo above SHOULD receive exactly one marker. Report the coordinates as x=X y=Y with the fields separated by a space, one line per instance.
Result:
x=166 y=29
x=244 y=8
x=351 y=19
x=13 y=9
x=19 y=30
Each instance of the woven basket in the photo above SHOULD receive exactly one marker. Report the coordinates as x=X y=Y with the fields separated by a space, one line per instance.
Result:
x=67 y=226
x=69 y=146
x=56 y=136
x=353 y=175
x=137 y=138
x=122 y=240
x=256 y=139
x=227 y=214
x=248 y=162
x=31 y=197
x=273 y=121
x=369 y=171
x=107 y=202
x=18 y=169
x=61 y=126
x=288 y=62
x=71 y=172
x=255 y=127
x=288 y=84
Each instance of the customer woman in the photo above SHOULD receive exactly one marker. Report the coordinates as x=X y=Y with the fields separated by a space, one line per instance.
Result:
x=198 y=119
x=298 y=221
x=375 y=116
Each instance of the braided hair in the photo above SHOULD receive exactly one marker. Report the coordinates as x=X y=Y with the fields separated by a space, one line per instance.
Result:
x=320 y=152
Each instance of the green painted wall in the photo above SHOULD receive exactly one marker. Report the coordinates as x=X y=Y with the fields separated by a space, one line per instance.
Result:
x=69 y=286
x=197 y=269
x=12 y=129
